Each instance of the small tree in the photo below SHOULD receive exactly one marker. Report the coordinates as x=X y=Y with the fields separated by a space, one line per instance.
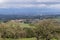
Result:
x=29 y=32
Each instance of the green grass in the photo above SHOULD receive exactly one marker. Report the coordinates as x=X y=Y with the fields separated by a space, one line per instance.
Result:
x=20 y=39
x=27 y=39
x=24 y=25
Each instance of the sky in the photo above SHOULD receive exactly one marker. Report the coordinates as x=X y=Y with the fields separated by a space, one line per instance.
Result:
x=46 y=5
x=30 y=3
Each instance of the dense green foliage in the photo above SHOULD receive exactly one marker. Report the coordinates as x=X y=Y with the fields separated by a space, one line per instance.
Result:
x=47 y=29
x=43 y=29
x=13 y=29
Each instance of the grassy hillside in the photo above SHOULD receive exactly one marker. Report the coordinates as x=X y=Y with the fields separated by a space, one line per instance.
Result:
x=14 y=30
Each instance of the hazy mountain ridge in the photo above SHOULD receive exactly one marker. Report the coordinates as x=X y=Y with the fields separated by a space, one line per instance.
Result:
x=29 y=11
x=21 y=13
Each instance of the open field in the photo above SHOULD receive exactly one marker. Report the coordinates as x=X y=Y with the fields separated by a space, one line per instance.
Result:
x=20 y=39
x=24 y=25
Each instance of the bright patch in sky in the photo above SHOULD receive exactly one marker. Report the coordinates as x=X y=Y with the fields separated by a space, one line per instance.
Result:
x=1 y=1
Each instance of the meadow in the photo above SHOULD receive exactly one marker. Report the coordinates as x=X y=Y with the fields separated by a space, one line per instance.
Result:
x=19 y=39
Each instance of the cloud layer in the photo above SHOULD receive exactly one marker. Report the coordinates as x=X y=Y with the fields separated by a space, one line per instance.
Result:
x=30 y=3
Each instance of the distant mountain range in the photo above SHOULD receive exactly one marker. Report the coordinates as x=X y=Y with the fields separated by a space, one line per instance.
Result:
x=25 y=13
x=29 y=11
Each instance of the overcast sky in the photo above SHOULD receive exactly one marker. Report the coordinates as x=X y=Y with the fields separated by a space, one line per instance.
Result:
x=30 y=3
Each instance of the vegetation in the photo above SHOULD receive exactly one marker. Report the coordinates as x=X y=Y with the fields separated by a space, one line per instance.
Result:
x=47 y=29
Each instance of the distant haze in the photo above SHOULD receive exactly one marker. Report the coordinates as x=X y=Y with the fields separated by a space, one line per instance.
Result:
x=29 y=11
